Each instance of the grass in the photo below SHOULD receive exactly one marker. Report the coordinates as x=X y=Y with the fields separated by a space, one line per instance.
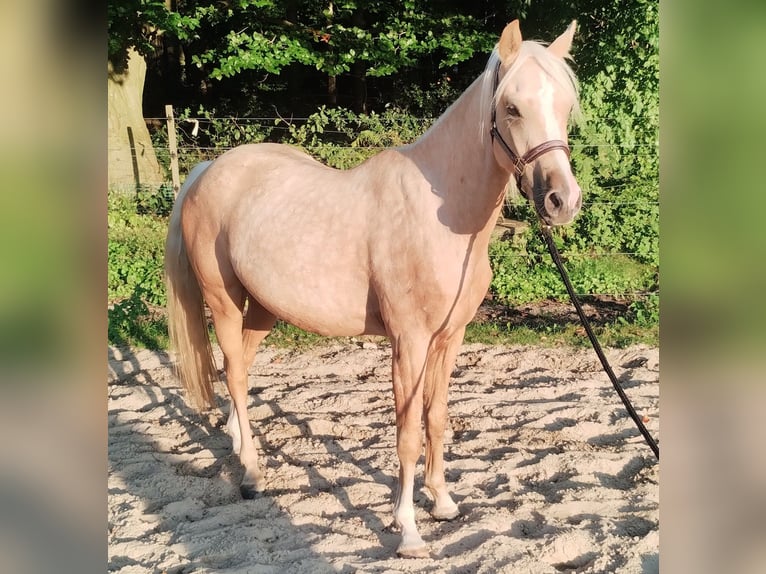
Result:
x=132 y=323
x=284 y=335
x=616 y=335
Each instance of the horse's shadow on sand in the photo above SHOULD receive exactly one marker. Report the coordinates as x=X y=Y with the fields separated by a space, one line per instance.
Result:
x=191 y=506
x=365 y=464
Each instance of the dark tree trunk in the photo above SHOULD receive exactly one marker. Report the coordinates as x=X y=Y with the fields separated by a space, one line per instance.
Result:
x=332 y=90
x=359 y=72
x=359 y=88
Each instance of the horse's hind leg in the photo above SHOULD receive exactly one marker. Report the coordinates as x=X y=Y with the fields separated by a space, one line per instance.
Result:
x=226 y=302
x=441 y=361
x=258 y=323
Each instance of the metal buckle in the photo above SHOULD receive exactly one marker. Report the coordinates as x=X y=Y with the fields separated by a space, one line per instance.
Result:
x=519 y=165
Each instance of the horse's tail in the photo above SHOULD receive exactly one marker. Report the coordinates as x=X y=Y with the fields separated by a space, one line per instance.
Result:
x=187 y=325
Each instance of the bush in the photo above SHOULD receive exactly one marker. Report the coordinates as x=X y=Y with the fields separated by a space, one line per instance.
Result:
x=523 y=272
x=135 y=250
x=213 y=136
x=133 y=323
x=342 y=139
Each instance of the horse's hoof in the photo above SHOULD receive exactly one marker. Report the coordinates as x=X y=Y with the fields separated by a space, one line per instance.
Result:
x=443 y=514
x=413 y=551
x=250 y=491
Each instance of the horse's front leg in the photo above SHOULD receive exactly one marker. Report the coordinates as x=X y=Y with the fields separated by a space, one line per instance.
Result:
x=441 y=361
x=409 y=365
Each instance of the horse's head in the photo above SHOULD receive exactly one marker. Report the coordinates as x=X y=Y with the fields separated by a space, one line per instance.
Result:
x=535 y=92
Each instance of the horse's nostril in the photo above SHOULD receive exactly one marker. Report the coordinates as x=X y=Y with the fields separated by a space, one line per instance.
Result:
x=555 y=200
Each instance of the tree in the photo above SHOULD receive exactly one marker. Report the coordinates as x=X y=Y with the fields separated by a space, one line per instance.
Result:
x=132 y=24
x=340 y=39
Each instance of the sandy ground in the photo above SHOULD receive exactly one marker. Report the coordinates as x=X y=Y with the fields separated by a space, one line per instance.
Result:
x=548 y=471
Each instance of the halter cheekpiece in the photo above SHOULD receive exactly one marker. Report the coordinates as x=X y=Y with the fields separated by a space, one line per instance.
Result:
x=521 y=162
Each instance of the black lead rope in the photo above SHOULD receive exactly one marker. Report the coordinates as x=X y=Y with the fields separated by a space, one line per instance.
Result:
x=546 y=232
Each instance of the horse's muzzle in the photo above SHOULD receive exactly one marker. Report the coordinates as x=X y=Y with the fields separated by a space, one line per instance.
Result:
x=561 y=205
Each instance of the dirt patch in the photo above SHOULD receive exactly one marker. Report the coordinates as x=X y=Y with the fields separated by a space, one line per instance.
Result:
x=599 y=311
x=542 y=459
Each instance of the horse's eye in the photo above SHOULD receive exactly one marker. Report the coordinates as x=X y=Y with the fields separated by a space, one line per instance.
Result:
x=513 y=111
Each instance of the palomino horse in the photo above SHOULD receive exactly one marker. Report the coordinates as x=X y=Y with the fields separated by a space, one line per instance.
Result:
x=396 y=246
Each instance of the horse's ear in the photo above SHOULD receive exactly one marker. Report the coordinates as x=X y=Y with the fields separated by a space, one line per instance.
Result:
x=510 y=43
x=561 y=45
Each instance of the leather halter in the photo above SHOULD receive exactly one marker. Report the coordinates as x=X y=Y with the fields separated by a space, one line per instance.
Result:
x=521 y=162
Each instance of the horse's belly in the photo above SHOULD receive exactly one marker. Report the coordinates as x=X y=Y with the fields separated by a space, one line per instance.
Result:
x=319 y=292
x=331 y=321
x=330 y=312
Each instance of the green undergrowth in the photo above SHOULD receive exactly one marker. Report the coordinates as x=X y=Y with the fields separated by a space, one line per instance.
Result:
x=136 y=247
x=558 y=334
x=133 y=324
x=618 y=334
x=284 y=335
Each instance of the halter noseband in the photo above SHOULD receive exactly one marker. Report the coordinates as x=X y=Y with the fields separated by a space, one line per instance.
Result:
x=521 y=162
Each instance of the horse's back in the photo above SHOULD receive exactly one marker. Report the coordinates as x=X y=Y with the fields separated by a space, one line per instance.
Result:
x=276 y=155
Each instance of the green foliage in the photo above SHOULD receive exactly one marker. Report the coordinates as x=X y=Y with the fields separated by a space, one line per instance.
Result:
x=155 y=202
x=136 y=238
x=286 y=335
x=135 y=251
x=524 y=272
x=332 y=37
x=137 y=24
x=336 y=136
x=428 y=102
x=645 y=312
x=616 y=147
x=132 y=323
x=343 y=139
x=225 y=132
x=214 y=136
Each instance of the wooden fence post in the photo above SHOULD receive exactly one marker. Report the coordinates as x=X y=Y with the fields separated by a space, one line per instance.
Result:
x=173 y=146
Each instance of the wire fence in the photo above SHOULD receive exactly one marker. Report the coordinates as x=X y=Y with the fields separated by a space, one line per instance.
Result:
x=203 y=138
x=190 y=148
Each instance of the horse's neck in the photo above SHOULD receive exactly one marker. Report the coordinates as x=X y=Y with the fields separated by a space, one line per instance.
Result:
x=456 y=157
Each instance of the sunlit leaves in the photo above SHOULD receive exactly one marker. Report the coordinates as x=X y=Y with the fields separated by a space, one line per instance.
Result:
x=383 y=37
